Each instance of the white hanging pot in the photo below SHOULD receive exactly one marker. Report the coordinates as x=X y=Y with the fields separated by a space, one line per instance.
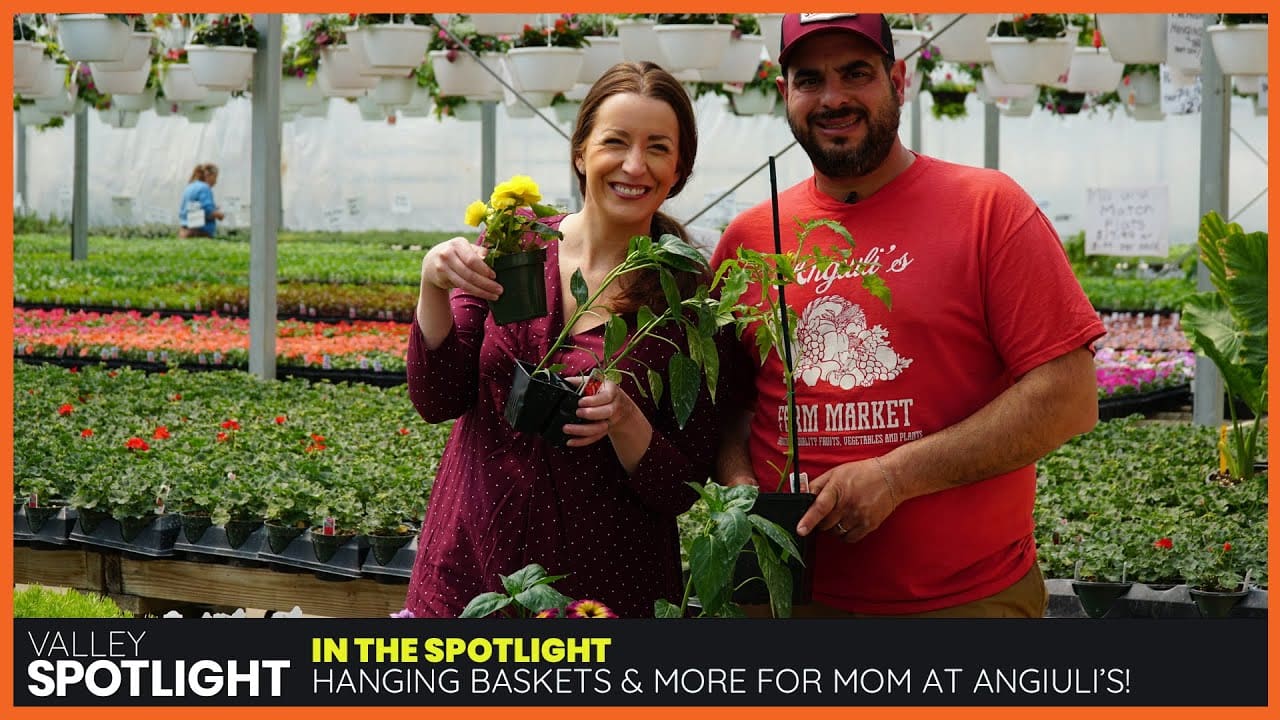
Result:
x=369 y=110
x=1240 y=49
x=137 y=55
x=1247 y=84
x=419 y=104
x=221 y=67
x=63 y=102
x=998 y=88
x=754 y=101
x=693 y=47
x=1135 y=38
x=1144 y=89
x=639 y=41
x=27 y=58
x=1039 y=62
x=536 y=98
x=339 y=74
x=395 y=46
x=771 y=29
x=502 y=23
x=29 y=115
x=544 y=69
x=1145 y=113
x=966 y=41
x=601 y=54
x=127 y=119
x=216 y=98
x=120 y=82
x=517 y=110
x=567 y=112
x=295 y=92
x=905 y=41
x=118 y=118
x=740 y=62
x=393 y=91
x=1017 y=107
x=464 y=76
x=51 y=81
x=180 y=85
x=196 y=113
x=144 y=100
x=93 y=37
x=1093 y=71
x=467 y=112
x=358 y=41
x=165 y=107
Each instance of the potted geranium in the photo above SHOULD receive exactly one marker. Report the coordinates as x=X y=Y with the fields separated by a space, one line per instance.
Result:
x=474 y=74
x=1214 y=579
x=760 y=95
x=516 y=240
x=1101 y=576
x=547 y=59
x=221 y=52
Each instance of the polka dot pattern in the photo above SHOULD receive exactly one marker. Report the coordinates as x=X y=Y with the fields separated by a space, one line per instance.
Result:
x=503 y=499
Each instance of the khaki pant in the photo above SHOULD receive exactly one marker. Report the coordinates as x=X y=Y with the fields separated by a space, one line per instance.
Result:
x=1026 y=598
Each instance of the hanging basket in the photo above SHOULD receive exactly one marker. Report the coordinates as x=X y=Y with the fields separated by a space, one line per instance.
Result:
x=295 y=92
x=393 y=90
x=602 y=54
x=740 y=62
x=1093 y=71
x=93 y=37
x=51 y=82
x=693 y=47
x=905 y=41
x=198 y=114
x=339 y=74
x=771 y=29
x=639 y=41
x=1240 y=49
x=137 y=55
x=1137 y=38
x=544 y=69
x=754 y=101
x=370 y=111
x=60 y=104
x=517 y=110
x=1039 y=62
x=180 y=85
x=502 y=23
x=1145 y=113
x=120 y=82
x=1143 y=89
x=30 y=115
x=419 y=105
x=221 y=67
x=966 y=41
x=567 y=112
x=1017 y=106
x=27 y=57
x=395 y=47
x=464 y=76
x=144 y=100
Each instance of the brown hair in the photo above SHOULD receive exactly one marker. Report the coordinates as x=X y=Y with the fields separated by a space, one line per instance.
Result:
x=647 y=80
x=203 y=172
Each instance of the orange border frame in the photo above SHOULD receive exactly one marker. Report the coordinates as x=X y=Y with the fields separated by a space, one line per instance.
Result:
x=561 y=713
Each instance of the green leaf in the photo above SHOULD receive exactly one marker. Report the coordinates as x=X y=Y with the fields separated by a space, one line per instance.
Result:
x=677 y=254
x=615 y=335
x=541 y=597
x=644 y=316
x=731 y=527
x=664 y=609
x=485 y=604
x=711 y=568
x=578 y=288
x=779 y=535
x=542 y=211
x=741 y=497
x=776 y=576
x=710 y=360
x=524 y=578
x=669 y=288
x=685 y=380
x=655 y=384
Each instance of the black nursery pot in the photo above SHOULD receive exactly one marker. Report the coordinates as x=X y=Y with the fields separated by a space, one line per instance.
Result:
x=524 y=287
x=1096 y=598
x=541 y=403
x=785 y=509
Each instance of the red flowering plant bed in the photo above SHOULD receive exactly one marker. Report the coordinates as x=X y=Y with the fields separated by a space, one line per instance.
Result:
x=207 y=340
x=116 y=440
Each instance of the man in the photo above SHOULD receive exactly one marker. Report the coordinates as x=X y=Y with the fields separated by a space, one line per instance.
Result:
x=920 y=424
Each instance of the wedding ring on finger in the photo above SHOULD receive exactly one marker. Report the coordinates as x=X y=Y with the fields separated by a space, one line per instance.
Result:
x=841 y=528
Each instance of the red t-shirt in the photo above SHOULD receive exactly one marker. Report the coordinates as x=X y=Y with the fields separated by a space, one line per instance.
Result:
x=982 y=293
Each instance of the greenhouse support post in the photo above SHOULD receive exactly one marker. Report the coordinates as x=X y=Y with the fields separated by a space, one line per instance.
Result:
x=1215 y=177
x=990 y=136
x=20 y=162
x=488 y=147
x=264 y=193
x=80 y=189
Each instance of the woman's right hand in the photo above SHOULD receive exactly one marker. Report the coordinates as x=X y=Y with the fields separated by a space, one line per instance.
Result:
x=459 y=263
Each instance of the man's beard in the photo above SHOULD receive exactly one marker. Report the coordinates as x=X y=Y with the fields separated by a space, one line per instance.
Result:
x=846 y=160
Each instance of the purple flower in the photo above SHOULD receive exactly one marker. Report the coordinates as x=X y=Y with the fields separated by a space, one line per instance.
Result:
x=405 y=613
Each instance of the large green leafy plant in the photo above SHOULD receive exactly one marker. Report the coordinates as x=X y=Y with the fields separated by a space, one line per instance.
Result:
x=1229 y=326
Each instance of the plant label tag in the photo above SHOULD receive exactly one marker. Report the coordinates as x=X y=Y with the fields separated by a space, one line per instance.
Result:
x=195 y=215
x=333 y=218
x=34 y=500
x=330 y=525
x=804 y=482
x=400 y=204
x=355 y=205
x=326 y=363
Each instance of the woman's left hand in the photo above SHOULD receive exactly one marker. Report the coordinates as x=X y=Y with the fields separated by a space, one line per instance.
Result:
x=604 y=408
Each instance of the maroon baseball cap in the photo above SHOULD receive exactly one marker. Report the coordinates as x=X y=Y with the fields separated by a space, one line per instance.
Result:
x=872 y=26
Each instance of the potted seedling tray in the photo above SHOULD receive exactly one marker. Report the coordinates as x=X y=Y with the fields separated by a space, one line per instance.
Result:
x=155 y=539
x=214 y=544
x=345 y=563
x=398 y=567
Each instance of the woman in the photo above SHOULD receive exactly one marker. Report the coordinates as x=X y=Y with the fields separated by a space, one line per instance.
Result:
x=603 y=509
x=197 y=202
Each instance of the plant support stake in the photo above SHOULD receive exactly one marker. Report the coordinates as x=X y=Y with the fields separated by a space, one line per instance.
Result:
x=786 y=337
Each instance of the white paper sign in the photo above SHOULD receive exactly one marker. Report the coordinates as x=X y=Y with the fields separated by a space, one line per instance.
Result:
x=1177 y=95
x=333 y=217
x=1186 y=32
x=122 y=207
x=400 y=204
x=1127 y=221
x=355 y=205
x=195 y=215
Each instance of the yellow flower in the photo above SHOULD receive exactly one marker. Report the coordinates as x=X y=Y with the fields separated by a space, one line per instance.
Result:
x=519 y=191
x=475 y=213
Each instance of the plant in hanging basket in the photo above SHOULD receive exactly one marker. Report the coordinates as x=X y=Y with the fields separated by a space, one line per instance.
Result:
x=516 y=239
x=949 y=97
x=565 y=32
x=1229 y=326
x=1244 y=19
x=364 y=19
x=233 y=30
x=1062 y=102
x=595 y=24
x=1033 y=26
x=694 y=18
x=461 y=32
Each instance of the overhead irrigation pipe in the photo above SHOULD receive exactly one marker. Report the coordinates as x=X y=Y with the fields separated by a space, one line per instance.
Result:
x=792 y=144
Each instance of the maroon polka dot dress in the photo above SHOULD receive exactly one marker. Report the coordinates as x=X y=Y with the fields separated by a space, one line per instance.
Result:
x=503 y=499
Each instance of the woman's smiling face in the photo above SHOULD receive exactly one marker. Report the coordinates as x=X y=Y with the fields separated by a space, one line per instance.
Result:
x=630 y=159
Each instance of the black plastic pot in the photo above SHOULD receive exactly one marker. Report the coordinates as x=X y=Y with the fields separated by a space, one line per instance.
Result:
x=785 y=509
x=385 y=547
x=279 y=536
x=326 y=545
x=39 y=515
x=1214 y=604
x=238 y=531
x=524 y=287
x=1097 y=597
x=90 y=518
x=194 y=525
x=541 y=404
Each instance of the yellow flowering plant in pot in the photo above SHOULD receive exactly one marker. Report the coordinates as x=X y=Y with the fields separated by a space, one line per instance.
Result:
x=516 y=239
